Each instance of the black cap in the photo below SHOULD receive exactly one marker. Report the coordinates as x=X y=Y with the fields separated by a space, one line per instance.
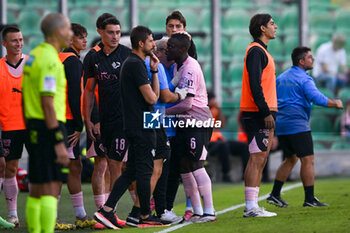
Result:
x=157 y=36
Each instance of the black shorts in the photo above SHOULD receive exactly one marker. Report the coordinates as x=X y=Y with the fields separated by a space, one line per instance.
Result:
x=300 y=144
x=192 y=142
x=114 y=141
x=12 y=142
x=42 y=156
x=163 y=145
x=73 y=151
x=258 y=135
x=94 y=148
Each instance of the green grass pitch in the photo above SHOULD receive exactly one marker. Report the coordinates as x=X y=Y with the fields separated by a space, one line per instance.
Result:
x=295 y=218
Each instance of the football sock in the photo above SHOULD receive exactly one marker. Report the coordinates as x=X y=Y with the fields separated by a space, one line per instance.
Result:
x=99 y=200
x=309 y=193
x=33 y=215
x=48 y=209
x=277 y=186
x=78 y=204
x=191 y=190
x=204 y=187
x=11 y=192
x=257 y=193
x=106 y=196
x=250 y=197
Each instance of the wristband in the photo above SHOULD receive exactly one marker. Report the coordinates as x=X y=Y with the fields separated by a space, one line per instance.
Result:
x=154 y=71
x=56 y=135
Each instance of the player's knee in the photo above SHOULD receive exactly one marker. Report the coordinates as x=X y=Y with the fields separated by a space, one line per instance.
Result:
x=292 y=160
x=10 y=170
x=75 y=169
x=308 y=160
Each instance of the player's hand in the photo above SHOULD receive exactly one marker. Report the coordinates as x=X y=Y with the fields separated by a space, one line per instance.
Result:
x=154 y=61
x=74 y=138
x=185 y=33
x=182 y=92
x=269 y=122
x=176 y=78
x=97 y=130
x=62 y=156
x=339 y=104
x=90 y=128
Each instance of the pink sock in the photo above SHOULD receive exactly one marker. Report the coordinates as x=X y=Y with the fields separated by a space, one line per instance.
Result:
x=250 y=197
x=256 y=194
x=249 y=193
x=99 y=200
x=191 y=190
x=106 y=196
x=11 y=192
x=204 y=187
x=77 y=199
x=132 y=195
x=1 y=180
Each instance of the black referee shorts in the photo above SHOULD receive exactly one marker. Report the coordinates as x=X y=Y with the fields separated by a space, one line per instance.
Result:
x=42 y=156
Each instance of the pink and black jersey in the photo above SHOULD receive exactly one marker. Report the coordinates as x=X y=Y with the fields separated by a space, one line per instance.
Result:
x=192 y=78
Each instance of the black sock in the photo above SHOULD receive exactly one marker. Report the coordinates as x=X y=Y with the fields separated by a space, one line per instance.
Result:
x=309 y=193
x=135 y=212
x=277 y=186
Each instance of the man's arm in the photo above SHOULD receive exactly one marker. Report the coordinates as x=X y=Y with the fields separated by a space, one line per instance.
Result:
x=53 y=127
x=181 y=107
x=74 y=70
x=337 y=103
x=88 y=103
x=148 y=93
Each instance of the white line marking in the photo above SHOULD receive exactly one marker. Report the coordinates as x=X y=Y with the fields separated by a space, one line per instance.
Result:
x=170 y=229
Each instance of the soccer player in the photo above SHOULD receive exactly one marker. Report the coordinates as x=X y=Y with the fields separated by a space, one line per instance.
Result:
x=44 y=96
x=191 y=143
x=100 y=180
x=74 y=124
x=105 y=72
x=175 y=23
x=296 y=92
x=11 y=114
x=258 y=106
x=3 y=223
x=138 y=96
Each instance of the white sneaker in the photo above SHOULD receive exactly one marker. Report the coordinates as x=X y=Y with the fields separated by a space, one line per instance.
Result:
x=207 y=218
x=195 y=218
x=258 y=212
x=171 y=217
x=14 y=220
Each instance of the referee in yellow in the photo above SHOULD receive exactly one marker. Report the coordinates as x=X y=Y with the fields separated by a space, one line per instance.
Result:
x=44 y=96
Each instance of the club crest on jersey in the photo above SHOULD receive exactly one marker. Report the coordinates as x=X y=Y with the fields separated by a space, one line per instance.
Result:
x=151 y=120
x=116 y=65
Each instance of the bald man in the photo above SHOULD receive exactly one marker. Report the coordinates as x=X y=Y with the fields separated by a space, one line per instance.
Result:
x=44 y=96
